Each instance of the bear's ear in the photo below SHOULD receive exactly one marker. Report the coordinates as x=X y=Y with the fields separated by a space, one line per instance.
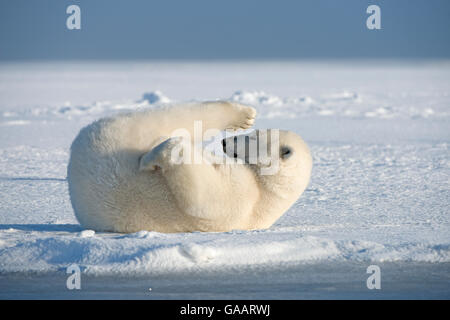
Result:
x=286 y=152
x=147 y=162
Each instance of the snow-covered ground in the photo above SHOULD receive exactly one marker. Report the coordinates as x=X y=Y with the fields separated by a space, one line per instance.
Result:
x=379 y=195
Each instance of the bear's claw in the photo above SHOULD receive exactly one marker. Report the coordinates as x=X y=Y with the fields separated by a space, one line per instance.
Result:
x=245 y=117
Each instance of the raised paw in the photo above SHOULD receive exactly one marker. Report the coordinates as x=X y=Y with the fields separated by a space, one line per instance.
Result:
x=245 y=117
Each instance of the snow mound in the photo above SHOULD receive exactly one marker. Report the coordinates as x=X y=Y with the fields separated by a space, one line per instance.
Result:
x=340 y=104
x=87 y=233
x=91 y=111
x=346 y=104
x=139 y=253
x=156 y=97
x=257 y=98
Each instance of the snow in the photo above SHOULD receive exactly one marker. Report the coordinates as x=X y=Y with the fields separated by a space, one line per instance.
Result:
x=379 y=193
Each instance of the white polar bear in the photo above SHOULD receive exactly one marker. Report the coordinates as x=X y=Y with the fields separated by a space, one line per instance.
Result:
x=122 y=179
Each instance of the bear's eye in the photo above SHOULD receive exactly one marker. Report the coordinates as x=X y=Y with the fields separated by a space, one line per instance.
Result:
x=286 y=152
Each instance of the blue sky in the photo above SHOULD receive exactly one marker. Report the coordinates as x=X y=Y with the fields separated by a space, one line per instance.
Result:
x=231 y=29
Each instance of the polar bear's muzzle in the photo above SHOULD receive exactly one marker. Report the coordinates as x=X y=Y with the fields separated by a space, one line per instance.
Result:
x=231 y=148
x=244 y=147
x=257 y=147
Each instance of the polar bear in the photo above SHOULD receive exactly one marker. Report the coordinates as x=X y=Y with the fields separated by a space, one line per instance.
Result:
x=122 y=177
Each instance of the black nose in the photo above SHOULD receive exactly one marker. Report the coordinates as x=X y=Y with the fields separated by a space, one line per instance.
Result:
x=224 y=145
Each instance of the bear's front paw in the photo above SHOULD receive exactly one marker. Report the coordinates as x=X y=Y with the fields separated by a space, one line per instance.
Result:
x=167 y=153
x=245 y=117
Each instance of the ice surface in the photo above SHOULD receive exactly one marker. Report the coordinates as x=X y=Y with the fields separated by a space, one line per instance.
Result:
x=379 y=194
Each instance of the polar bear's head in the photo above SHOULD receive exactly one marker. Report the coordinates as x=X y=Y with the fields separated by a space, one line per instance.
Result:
x=281 y=163
x=280 y=155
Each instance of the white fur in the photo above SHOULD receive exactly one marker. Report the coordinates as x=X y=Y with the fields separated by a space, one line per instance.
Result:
x=119 y=181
